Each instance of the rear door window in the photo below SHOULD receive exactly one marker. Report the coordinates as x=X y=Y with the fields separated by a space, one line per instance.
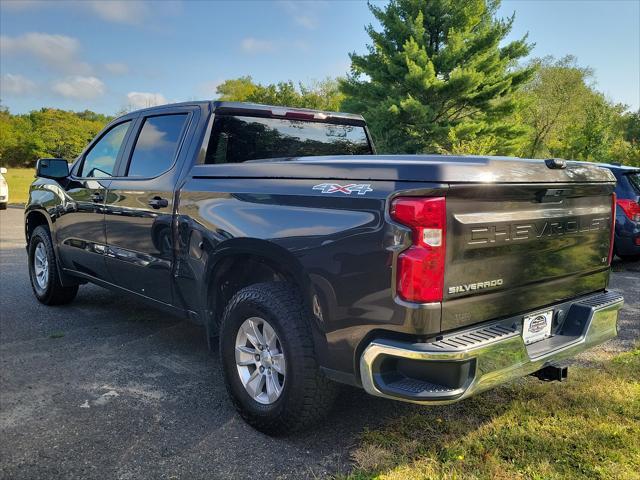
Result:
x=157 y=145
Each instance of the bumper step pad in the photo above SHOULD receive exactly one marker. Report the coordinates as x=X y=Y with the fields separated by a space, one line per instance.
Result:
x=463 y=363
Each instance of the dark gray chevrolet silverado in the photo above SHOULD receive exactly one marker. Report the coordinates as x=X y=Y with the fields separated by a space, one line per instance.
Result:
x=311 y=259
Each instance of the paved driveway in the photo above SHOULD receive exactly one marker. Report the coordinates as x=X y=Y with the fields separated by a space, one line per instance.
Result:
x=110 y=388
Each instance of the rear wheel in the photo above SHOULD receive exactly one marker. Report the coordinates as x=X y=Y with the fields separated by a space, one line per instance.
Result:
x=3 y=206
x=43 y=271
x=268 y=360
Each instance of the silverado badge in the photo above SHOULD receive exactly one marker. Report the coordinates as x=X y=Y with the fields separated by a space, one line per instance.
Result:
x=475 y=286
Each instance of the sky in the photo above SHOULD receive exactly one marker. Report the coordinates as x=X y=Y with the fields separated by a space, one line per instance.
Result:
x=108 y=55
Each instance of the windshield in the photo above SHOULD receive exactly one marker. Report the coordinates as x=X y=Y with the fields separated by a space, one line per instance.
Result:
x=237 y=139
x=634 y=180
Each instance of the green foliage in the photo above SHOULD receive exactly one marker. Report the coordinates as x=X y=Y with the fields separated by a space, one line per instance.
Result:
x=436 y=78
x=631 y=125
x=237 y=89
x=566 y=117
x=320 y=95
x=46 y=133
x=585 y=429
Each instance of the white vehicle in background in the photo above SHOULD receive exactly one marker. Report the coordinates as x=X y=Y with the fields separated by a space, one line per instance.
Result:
x=4 y=190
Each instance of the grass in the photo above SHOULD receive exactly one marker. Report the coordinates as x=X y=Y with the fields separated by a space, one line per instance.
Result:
x=586 y=428
x=19 y=180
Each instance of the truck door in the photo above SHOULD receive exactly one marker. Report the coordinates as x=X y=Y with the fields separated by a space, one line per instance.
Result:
x=80 y=224
x=139 y=205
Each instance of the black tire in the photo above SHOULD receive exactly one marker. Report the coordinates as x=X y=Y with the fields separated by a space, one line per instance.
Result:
x=307 y=395
x=53 y=293
x=3 y=206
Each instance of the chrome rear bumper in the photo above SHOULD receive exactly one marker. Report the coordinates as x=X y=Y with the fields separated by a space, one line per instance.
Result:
x=466 y=362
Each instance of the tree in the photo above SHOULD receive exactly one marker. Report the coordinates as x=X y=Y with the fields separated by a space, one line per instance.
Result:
x=552 y=101
x=8 y=133
x=568 y=118
x=436 y=78
x=592 y=137
x=319 y=95
x=631 y=126
x=237 y=89
x=64 y=134
x=47 y=132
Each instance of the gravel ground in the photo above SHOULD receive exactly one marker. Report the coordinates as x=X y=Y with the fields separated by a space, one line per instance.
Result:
x=109 y=388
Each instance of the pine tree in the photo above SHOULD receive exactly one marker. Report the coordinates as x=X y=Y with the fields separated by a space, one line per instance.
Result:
x=436 y=78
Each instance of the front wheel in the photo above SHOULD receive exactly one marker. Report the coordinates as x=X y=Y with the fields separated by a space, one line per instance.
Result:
x=43 y=271
x=268 y=360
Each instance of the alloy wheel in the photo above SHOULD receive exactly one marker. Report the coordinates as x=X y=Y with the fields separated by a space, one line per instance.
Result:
x=41 y=266
x=260 y=360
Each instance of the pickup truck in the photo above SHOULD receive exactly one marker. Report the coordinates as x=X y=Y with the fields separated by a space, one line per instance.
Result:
x=312 y=261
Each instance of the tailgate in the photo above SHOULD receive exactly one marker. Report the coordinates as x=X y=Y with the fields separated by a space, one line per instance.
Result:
x=514 y=248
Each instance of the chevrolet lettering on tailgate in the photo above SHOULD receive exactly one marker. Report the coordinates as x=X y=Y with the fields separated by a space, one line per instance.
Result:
x=532 y=230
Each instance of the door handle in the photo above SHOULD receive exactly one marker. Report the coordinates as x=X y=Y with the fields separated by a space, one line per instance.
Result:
x=97 y=197
x=157 y=202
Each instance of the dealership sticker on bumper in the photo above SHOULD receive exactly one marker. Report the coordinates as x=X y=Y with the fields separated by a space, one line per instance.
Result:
x=537 y=327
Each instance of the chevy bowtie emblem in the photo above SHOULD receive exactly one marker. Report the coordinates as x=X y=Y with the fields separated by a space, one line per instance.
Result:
x=359 y=188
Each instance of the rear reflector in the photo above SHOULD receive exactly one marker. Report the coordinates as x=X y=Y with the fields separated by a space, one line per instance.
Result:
x=613 y=226
x=630 y=208
x=420 y=269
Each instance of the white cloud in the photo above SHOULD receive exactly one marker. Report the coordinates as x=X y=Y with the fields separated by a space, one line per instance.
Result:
x=15 y=85
x=304 y=14
x=59 y=52
x=145 y=99
x=151 y=137
x=20 y=4
x=209 y=89
x=80 y=88
x=131 y=12
x=255 y=45
x=305 y=21
x=116 y=68
x=119 y=11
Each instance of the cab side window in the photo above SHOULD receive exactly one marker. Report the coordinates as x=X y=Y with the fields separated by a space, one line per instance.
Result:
x=156 y=147
x=101 y=159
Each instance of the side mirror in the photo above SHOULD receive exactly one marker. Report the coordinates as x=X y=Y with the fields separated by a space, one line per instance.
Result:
x=55 y=168
x=3 y=170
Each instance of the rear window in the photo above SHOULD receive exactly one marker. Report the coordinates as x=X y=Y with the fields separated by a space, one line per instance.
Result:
x=236 y=139
x=634 y=180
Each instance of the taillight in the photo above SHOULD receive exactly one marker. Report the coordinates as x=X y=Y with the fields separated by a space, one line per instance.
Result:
x=630 y=208
x=613 y=226
x=420 y=269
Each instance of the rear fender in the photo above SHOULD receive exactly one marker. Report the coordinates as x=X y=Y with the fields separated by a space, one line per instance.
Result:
x=278 y=259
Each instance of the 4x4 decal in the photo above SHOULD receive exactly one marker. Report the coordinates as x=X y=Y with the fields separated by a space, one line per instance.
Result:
x=360 y=188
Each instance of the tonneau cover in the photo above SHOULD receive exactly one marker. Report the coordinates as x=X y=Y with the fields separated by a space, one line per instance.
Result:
x=417 y=168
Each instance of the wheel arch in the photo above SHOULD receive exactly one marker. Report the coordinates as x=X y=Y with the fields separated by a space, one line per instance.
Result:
x=35 y=218
x=241 y=262
x=267 y=258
